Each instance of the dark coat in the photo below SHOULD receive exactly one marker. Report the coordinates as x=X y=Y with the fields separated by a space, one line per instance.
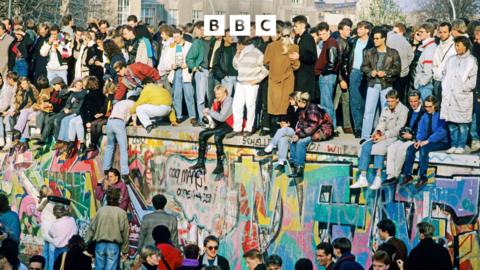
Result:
x=94 y=54
x=39 y=61
x=428 y=255
x=347 y=262
x=93 y=103
x=222 y=262
x=305 y=76
x=349 y=54
x=315 y=122
x=391 y=66
x=75 y=260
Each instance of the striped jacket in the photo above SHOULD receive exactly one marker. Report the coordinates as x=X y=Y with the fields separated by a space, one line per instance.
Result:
x=249 y=64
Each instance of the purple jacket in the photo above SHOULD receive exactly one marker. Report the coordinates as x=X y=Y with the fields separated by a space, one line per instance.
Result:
x=124 y=199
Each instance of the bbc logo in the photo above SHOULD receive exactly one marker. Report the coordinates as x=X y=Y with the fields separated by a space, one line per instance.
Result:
x=265 y=25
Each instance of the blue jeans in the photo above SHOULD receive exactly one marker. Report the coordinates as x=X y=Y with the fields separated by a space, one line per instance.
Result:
x=181 y=88
x=357 y=104
x=64 y=127
x=474 y=128
x=201 y=87
x=366 y=154
x=375 y=94
x=298 y=151
x=426 y=90
x=49 y=255
x=281 y=141
x=116 y=133
x=106 y=256
x=21 y=67
x=458 y=134
x=58 y=251
x=327 y=88
x=56 y=73
x=422 y=159
x=229 y=82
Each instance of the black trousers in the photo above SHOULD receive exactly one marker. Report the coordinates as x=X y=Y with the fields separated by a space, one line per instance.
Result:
x=402 y=87
x=96 y=130
x=219 y=133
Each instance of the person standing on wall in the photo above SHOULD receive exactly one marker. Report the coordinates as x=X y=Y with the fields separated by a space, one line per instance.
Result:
x=281 y=78
x=351 y=68
x=305 y=75
x=248 y=61
x=326 y=68
x=424 y=71
x=381 y=66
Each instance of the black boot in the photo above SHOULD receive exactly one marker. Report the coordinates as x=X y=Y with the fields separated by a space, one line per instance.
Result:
x=199 y=166
x=219 y=168
x=297 y=172
x=293 y=171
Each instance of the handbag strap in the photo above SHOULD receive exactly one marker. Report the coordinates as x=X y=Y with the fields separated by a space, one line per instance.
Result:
x=164 y=262
x=64 y=256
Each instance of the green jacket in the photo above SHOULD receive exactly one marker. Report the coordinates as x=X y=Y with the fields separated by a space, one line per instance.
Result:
x=110 y=224
x=195 y=55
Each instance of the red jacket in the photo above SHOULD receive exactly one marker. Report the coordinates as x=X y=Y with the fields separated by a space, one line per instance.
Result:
x=136 y=72
x=217 y=106
x=315 y=122
x=171 y=255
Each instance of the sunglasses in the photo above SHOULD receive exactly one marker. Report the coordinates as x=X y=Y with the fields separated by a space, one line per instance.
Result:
x=213 y=248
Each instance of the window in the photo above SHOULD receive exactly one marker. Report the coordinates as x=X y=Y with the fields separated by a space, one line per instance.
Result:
x=149 y=14
x=123 y=11
x=244 y=13
x=219 y=12
x=172 y=16
x=296 y=1
x=197 y=15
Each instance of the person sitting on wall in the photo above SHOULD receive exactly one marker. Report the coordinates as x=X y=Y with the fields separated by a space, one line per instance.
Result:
x=282 y=137
x=154 y=101
x=221 y=115
x=431 y=136
x=314 y=124
x=392 y=119
x=397 y=151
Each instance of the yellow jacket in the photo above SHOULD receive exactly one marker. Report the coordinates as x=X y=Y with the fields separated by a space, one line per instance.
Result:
x=155 y=94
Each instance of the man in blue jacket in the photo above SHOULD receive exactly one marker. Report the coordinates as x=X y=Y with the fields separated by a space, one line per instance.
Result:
x=345 y=259
x=431 y=136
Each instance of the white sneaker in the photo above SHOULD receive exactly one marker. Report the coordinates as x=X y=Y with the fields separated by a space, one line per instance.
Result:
x=459 y=151
x=377 y=183
x=361 y=182
x=451 y=150
x=2 y=142
x=475 y=146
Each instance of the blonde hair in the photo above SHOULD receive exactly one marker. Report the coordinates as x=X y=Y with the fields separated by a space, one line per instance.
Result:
x=147 y=252
x=109 y=88
x=304 y=97
x=286 y=41
x=221 y=87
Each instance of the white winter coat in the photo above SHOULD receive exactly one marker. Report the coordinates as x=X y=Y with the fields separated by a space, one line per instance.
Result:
x=170 y=55
x=458 y=83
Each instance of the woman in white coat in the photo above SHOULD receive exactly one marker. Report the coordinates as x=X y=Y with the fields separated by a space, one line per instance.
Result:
x=458 y=84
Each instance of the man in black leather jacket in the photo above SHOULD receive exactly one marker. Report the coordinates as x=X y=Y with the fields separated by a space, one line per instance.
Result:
x=381 y=66
x=222 y=69
x=327 y=67
x=351 y=70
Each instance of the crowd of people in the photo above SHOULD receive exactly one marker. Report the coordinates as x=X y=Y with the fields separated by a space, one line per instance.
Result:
x=304 y=84
x=106 y=243
x=398 y=89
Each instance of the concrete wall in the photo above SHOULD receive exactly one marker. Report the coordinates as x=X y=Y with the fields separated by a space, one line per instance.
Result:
x=251 y=206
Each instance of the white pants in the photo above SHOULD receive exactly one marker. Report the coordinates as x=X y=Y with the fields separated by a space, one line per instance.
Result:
x=245 y=95
x=396 y=157
x=147 y=111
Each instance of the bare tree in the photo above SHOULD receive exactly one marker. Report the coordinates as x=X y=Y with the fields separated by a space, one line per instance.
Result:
x=442 y=9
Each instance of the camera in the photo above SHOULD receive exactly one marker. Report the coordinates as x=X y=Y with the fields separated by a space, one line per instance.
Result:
x=208 y=121
x=404 y=130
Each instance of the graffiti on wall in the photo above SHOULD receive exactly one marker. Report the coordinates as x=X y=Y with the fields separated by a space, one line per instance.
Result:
x=252 y=205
